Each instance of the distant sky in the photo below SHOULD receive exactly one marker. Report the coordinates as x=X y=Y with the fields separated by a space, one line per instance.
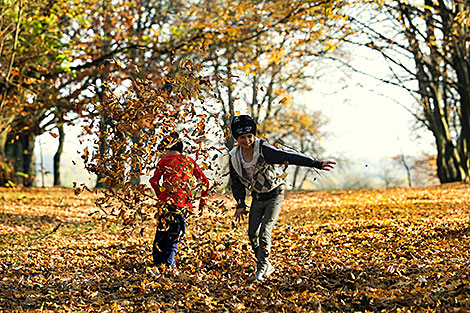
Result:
x=366 y=125
x=365 y=117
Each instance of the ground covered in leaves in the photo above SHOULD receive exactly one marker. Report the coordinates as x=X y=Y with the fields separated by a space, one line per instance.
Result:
x=392 y=250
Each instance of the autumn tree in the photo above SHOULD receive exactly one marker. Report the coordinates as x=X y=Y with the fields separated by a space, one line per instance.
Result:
x=63 y=51
x=421 y=169
x=262 y=73
x=269 y=56
x=9 y=37
x=127 y=31
x=78 y=39
x=426 y=44
x=233 y=37
x=30 y=58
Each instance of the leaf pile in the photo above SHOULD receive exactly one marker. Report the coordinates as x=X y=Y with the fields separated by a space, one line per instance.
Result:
x=389 y=250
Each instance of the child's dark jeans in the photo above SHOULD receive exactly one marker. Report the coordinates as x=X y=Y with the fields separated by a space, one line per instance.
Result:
x=170 y=231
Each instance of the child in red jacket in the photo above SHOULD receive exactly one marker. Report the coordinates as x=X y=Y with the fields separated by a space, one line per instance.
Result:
x=173 y=182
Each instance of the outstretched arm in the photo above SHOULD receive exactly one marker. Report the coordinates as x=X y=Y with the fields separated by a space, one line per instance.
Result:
x=273 y=155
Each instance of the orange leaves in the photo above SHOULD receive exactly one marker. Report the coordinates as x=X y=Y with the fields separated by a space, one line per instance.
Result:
x=31 y=81
x=364 y=250
x=85 y=153
x=118 y=63
x=15 y=71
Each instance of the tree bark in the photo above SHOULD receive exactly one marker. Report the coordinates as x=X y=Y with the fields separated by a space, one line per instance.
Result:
x=7 y=173
x=434 y=82
x=58 y=154
x=21 y=153
x=103 y=146
x=294 y=179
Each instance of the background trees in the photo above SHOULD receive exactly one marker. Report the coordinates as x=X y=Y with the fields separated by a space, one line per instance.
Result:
x=294 y=128
x=57 y=52
x=267 y=58
x=31 y=58
x=257 y=54
x=427 y=46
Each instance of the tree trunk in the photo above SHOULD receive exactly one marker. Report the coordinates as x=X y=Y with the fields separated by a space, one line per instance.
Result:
x=437 y=41
x=449 y=169
x=21 y=153
x=103 y=146
x=294 y=179
x=7 y=173
x=462 y=70
x=58 y=154
x=464 y=138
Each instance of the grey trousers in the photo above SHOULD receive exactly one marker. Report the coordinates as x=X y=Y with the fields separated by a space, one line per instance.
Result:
x=263 y=216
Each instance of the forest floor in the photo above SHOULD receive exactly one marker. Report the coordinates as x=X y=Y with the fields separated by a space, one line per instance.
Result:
x=391 y=250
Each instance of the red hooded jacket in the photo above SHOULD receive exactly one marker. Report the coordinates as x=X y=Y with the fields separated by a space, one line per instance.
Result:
x=179 y=173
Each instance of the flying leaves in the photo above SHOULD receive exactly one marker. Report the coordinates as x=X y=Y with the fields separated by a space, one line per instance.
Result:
x=126 y=128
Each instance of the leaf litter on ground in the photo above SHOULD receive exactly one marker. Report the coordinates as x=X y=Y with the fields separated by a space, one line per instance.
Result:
x=393 y=250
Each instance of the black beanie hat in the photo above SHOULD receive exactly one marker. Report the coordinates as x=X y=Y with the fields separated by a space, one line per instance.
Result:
x=243 y=124
x=171 y=142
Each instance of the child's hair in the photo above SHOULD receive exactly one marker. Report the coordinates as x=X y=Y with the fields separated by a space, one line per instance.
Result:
x=242 y=124
x=171 y=142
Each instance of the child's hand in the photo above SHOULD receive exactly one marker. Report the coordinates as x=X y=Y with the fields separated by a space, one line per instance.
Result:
x=328 y=165
x=201 y=206
x=239 y=214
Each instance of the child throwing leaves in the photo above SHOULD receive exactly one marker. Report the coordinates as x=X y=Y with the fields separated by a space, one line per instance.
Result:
x=173 y=182
x=254 y=165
